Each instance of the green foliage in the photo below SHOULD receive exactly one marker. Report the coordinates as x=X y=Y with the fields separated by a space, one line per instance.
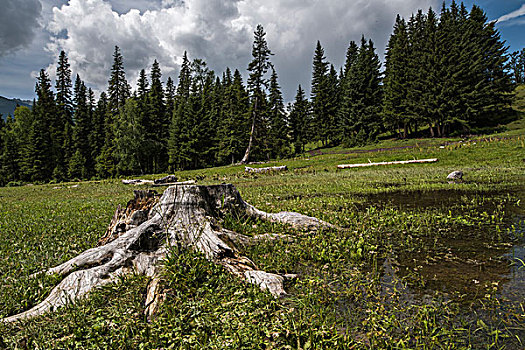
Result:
x=449 y=73
x=356 y=287
x=445 y=75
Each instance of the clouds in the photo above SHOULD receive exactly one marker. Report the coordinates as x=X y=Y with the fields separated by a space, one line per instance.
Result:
x=19 y=20
x=514 y=14
x=219 y=31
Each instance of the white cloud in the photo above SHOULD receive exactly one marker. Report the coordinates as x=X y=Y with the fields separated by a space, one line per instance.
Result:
x=219 y=31
x=514 y=14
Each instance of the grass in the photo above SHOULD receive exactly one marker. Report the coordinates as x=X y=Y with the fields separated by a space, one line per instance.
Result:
x=370 y=285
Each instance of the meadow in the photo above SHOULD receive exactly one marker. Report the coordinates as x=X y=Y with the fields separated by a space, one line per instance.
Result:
x=419 y=263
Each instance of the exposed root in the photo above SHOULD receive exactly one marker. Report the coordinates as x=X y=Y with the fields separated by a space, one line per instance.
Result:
x=185 y=216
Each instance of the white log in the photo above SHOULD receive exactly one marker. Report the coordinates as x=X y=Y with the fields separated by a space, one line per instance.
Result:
x=345 y=166
x=265 y=170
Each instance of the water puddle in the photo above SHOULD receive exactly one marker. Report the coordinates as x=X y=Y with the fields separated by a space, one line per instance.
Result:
x=469 y=263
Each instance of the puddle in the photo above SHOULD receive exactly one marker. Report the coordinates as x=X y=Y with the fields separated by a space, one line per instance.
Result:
x=469 y=262
x=426 y=199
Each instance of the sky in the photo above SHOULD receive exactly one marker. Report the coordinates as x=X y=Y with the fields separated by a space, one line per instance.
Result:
x=33 y=32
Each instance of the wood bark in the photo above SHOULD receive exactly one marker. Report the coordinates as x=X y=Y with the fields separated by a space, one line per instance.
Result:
x=186 y=216
x=265 y=170
x=244 y=159
x=345 y=166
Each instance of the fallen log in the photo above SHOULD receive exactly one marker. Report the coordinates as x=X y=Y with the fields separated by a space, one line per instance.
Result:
x=189 y=182
x=345 y=166
x=166 y=179
x=136 y=182
x=266 y=170
x=186 y=216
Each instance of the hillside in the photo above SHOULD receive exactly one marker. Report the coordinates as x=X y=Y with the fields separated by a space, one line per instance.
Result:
x=7 y=106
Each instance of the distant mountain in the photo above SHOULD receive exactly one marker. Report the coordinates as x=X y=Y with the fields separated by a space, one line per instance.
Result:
x=7 y=106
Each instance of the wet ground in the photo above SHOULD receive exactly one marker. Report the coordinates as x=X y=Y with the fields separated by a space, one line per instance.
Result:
x=469 y=262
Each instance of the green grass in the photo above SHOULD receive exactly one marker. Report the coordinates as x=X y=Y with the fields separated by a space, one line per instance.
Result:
x=360 y=287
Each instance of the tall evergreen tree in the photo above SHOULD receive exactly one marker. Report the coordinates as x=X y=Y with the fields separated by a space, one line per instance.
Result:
x=236 y=121
x=180 y=124
x=80 y=161
x=170 y=99
x=363 y=97
x=43 y=129
x=347 y=93
x=257 y=82
x=279 y=129
x=299 y=121
x=118 y=90
x=129 y=139
x=320 y=95
x=157 y=126
x=395 y=101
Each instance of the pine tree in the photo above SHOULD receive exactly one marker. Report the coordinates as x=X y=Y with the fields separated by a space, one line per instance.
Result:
x=142 y=85
x=118 y=90
x=396 y=81
x=42 y=130
x=363 y=97
x=157 y=126
x=98 y=127
x=129 y=139
x=80 y=162
x=278 y=134
x=170 y=98
x=257 y=82
x=319 y=95
x=347 y=94
x=235 y=124
x=179 y=127
x=299 y=121
x=332 y=106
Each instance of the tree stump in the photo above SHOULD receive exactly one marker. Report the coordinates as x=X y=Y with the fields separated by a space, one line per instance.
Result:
x=186 y=216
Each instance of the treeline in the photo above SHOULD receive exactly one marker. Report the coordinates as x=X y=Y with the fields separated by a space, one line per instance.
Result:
x=448 y=74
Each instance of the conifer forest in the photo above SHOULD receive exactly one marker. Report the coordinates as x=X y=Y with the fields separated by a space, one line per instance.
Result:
x=446 y=74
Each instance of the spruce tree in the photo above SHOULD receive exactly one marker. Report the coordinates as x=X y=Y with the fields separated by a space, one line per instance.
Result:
x=157 y=126
x=363 y=97
x=118 y=90
x=42 y=130
x=332 y=106
x=396 y=81
x=236 y=121
x=170 y=98
x=179 y=138
x=347 y=94
x=299 y=121
x=22 y=126
x=278 y=134
x=257 y=82
x=80 y=162
x=129 y=139
x=319 y=95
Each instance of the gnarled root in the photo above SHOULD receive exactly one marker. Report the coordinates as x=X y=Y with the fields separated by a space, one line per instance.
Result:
x=185 y=216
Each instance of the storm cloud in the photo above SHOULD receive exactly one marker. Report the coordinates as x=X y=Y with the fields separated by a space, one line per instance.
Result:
x=220 y=32
x=19 y=21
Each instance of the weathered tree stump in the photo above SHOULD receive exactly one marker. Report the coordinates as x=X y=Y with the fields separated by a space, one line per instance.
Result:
x=185 y=216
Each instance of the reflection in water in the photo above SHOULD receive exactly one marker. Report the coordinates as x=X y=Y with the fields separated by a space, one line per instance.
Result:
x=465 y=267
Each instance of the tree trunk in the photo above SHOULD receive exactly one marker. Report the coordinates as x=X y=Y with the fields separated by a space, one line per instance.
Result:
x=431 y=130
x=186 y=216
x=250 y=143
